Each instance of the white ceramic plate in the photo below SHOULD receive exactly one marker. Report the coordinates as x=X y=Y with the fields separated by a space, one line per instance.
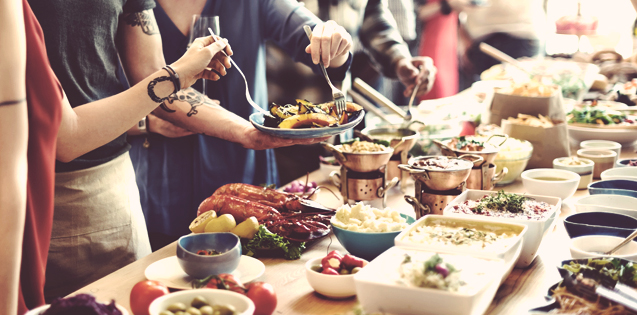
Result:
x=169 y=272
x=579 y=134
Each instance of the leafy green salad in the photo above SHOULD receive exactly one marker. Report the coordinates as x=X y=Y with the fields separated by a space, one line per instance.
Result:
x=599 y=116
x=606 y=270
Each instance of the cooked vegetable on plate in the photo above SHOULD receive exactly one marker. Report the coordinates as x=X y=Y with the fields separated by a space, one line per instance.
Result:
x=304 y=114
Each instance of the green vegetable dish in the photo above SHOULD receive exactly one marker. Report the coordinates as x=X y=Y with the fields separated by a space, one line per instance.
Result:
x=605 y=270
x=598 y=116
x=265 y=240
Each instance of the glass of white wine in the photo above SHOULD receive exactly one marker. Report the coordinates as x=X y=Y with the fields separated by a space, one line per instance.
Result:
x=199 y=28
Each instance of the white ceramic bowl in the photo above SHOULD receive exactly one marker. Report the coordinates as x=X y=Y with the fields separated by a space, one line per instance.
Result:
x=39 y=310
x=327 y=169
x=602 y=145
x=585 y=170
x=537 y=182
x=509 y=253
x=242 y=304
x=596 y=245
x=629 y=173
x=608 y=203
x=604 y=159
x=338 y=287
x=536 y=229
x=624 y=162
x=379 y=286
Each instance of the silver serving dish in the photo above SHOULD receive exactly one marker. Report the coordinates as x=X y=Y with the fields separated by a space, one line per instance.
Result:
x=394 y=134
x=442 y=179
x=489 y=152
x=360 y=162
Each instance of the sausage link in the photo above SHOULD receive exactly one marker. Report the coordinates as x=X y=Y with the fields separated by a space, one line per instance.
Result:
x=241 y=209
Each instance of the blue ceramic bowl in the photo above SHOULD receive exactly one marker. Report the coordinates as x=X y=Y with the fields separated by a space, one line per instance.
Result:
x=367 y=245
x=200 y=266
x=614 y=187
x=623 y=162
x=599 y=223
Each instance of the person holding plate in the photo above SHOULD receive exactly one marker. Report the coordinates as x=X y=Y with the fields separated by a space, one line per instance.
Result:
x=175 y=174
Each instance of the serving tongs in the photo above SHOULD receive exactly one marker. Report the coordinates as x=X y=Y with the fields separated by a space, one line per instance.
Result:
x=618 y=293
x=380 y=99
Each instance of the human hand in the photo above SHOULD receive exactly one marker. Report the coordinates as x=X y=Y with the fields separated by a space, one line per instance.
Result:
x=408 y=73
x=166 y=128
x=204 y=53
x=257 y=140
x=330 y=43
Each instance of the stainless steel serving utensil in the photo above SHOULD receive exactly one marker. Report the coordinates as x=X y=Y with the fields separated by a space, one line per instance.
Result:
x=337 y=95
x=408 y=115
x=248 y=97
x=623 y=243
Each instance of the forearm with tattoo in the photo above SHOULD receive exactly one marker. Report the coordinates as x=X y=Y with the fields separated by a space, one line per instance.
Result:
x=192 y=97
x=143 y=19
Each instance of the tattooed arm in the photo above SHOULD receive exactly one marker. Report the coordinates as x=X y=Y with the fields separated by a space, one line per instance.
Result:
x=141 y=52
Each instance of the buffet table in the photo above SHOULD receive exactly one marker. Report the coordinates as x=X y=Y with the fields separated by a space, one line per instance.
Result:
x=524 y=288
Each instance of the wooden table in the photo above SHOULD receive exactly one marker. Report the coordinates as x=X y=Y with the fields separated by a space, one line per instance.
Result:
x=523 y=289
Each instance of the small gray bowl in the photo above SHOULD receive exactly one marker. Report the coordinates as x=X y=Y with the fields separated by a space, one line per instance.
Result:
x=200 y=266
x=614 y=187
x=624 y=163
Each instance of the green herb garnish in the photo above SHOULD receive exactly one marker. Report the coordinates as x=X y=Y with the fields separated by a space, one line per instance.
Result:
x=463 y=141
x=503 y=202
x=264 y=239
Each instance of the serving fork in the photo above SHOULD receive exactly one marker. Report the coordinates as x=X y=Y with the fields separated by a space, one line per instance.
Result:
x=337 y=95
x=248 y=97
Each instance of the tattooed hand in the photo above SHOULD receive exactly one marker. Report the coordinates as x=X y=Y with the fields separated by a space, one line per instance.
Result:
x=257 y=140
x=203 y=54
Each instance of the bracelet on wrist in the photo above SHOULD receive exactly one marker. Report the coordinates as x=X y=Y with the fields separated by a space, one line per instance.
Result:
x=174 y=76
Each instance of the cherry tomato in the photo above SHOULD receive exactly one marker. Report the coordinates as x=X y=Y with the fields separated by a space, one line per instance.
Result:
x=232 y=283
x=143 y=293
x=263 y=296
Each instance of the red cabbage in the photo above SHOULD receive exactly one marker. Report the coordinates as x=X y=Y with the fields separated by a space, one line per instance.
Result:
x=84 y=304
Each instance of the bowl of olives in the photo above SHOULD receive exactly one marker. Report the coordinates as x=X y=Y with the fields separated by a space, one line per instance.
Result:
x=202 y=302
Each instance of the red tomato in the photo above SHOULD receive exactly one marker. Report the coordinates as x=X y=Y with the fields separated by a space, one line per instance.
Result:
x=232 y=283
x=143 y=293
x=263 y=296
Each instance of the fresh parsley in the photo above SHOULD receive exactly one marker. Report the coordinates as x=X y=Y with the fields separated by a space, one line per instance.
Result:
x=503 y=202
x=463 y=141
x=266 y=240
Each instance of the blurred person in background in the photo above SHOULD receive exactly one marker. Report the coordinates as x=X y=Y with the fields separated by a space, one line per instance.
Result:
x=38 y=126
x=175 y=174
x=102 y=228
x=517 y=28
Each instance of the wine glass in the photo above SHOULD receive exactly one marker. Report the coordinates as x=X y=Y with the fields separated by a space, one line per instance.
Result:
x=199 y=28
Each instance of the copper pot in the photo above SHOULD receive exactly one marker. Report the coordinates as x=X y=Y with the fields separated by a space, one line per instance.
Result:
x=484 y=177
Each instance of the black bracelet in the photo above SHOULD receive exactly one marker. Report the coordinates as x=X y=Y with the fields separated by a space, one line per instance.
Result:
x=14 y=102
x=174 y=76
x=151 y=89
x=445 y=8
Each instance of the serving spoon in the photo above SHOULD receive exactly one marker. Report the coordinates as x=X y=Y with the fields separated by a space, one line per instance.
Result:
x=623 y=243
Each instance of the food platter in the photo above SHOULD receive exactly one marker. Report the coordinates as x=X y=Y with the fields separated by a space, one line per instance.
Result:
x=307 y=133
x=579 y=133
x=169 y=272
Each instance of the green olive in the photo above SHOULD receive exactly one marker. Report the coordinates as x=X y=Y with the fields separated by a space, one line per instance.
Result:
x=224 y=309
x=356 y=269
x=199 y=301
x=175 y=307
x=206 y=310
x=193 y=311
x=344 y=271
x=166 y=313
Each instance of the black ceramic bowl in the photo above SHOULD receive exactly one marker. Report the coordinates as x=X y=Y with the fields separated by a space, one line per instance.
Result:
x=599 y=223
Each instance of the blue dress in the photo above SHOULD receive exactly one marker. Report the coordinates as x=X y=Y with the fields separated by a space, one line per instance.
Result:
x=175 y=175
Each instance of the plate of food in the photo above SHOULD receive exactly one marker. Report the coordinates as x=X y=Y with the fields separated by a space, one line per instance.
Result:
x=591 y=123
x=607 y=272
x=304 y=120
x=169 y=272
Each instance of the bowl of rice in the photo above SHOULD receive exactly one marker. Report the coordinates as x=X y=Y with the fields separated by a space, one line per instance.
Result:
x=514 y=154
